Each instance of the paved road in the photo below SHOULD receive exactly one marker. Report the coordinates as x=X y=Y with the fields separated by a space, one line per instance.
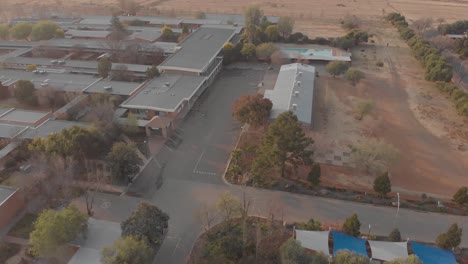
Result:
x=192 y=177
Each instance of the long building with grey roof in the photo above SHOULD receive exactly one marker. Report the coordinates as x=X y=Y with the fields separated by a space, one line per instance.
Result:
x=198 y=51
x=293 y=91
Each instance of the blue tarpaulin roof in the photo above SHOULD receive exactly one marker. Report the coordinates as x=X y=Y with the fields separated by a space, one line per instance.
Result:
x=343 y=241
x=433 y=255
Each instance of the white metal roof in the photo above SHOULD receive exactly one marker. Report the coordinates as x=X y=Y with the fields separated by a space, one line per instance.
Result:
x=293 y=91
x=388 y=251
x=314 y=240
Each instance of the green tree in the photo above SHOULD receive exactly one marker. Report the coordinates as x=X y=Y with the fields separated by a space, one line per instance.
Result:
x=78 y=142
x=354 y=75
x=228 y=53
x=25 y=92
x=119 y=32
x=252 y=109
x=337 y=68
x=451 y=238
x=56 y=228
x=59 y=33
x=200 y=15
x=272 y=33
x=394 y=236
x=248 y=51
x=185 y=30
x=311 y=225
x=411 y=259
x=345 y=256
x=4 y=31
x=314 y=174
x=147 y=223
x=352 y=225
x=292 y=252
x=286 y=142
x=167 y=34
x=265 y=50
x=124 y=161
x=285 y=26
x=357 y=36
x=31 y=67
x=461 y=196
x=21 y=30
x=104 y=67
x=382 y=184
x=252 y=16
x=127 y=250
x=152 y=72
x=363 y=108
x=44 y=30
x=264 y=23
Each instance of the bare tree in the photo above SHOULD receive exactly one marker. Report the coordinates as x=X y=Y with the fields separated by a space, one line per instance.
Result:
x=206 y=215
x=102 y=117
x=76 y=51
x=375 y=155
x=278 y=58
x=121 y=73
x=113 y=47
x=422 y=24
x=350 y=22
x=96 y=177
x=228 y=205
x=443 y=43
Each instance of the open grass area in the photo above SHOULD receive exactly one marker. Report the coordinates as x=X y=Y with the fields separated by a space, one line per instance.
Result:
x=8 y=250
x=24 y=227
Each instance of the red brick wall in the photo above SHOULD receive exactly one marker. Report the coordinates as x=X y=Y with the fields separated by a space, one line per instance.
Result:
x=10 y=208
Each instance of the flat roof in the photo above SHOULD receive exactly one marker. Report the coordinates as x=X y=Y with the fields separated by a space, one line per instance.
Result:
x=293 y=91
x=96 y=44
x=149 y=35
x=50 y=126
x=10 y=131
x=87 y=33
x=314 y=52
x=234 y=18
x=156 y=95
x=113 y=87
x=23 y=116
x=60 y=81
x=5 y=193
x=198 y=50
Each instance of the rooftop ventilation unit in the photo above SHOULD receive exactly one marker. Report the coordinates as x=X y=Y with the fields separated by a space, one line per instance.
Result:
x=108 y=88
x=299 y=74
x=167 y=84
x=294 y=107
x=296 y=93
x=298 y=83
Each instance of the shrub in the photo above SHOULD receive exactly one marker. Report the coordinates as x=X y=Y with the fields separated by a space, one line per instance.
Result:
x=379 y=64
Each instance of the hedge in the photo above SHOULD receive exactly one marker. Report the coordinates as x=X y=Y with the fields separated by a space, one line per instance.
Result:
x=437 y=68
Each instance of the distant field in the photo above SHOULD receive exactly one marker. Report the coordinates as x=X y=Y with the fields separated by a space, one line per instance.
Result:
x=314 y=17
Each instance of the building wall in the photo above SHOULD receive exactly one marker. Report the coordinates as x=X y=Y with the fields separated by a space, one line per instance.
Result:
x=10 y=208
x=179 y=71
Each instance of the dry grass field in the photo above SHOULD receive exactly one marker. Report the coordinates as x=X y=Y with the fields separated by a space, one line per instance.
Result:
x=313 y=17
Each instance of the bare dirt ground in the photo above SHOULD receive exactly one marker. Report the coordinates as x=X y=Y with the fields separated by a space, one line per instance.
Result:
x=410 y=114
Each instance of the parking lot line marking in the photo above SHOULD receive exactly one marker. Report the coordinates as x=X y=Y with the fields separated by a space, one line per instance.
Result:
x=169 y=148
x=198 y=161
x=205 y=173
